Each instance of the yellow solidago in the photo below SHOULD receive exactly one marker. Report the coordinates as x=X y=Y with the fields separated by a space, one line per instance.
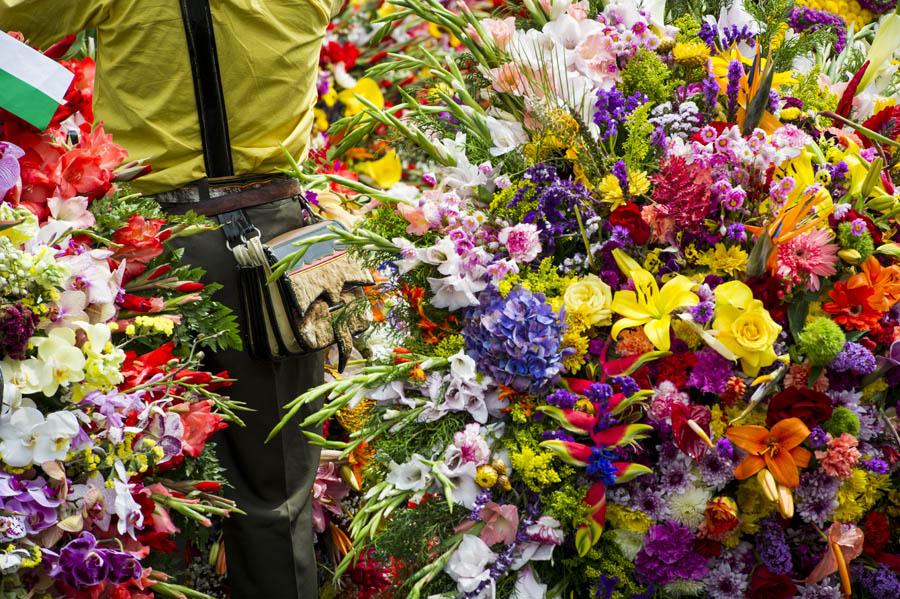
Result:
x=718 y=423
x=155 y=325
x=872 y=389
x=536 y=469
x=692 y=54
x=626 y=519
x=728 y=260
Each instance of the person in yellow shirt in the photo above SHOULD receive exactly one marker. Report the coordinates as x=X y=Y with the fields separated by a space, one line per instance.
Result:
x=207 y=91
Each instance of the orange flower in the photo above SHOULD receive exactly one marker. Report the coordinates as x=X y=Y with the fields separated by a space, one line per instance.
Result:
x=884 y=280
x=777 y=449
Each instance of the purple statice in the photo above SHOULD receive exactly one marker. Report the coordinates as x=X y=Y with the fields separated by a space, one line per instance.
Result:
x=516 y=340
x=804 y=18
x=881 y=582
x=725 y=582
x=711 y=372
x=658 y=137
x=556 y=201
x=876 y=465
x=83 y=564
x=481 y=500
x=855 y=358
x=717 y=467
x=17 y=324
x=772 y=547
x=627 y=385
x=709 y=33
x=703 y=312
x=815 y=498
x=878 y=6
x=562 y=399
x=668 y=555
x=735 y=73
x=620 y=172
x=606 y=586
x=599 y=392
x=612 y=108
x=726 y=37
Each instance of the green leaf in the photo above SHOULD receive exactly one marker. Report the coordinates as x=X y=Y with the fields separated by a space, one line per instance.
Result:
x=797 y=313
x=759 y=255
x=757 y=106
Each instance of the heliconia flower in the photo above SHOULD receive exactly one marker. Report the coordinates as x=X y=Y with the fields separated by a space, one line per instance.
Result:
x=777 y=450
x=580 y=422
x=571 y=452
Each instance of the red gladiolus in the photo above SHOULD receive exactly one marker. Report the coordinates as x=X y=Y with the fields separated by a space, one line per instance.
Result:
x=208 y=486
x=189 y=287
x=200 y=424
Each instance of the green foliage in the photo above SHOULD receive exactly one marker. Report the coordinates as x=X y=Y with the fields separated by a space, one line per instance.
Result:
x=449 y=346
x=842 y=421
x=821 y=340
x=647 y=73
x=639 y=128
x=604 y=559
x=408 y=536
x=688 y=28
x=501 y=209
x=113 y=212
x=861 y=243
x=206 y=466
x=422 y=438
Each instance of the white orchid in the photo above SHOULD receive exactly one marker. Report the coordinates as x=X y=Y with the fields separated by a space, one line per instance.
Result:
x=59 y=359
x=27 y=437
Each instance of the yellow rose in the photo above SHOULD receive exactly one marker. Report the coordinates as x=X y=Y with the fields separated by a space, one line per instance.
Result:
x=744 y=327
x=589 y=298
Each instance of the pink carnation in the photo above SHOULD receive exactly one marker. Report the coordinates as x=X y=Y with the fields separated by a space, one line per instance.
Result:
x=666 y=394
x=840 y=458
x=521 y=241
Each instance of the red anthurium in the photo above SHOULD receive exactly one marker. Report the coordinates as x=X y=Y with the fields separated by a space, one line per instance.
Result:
x=690 y=429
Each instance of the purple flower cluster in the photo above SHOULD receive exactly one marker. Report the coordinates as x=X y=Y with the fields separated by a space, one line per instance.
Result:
x=717 y=467
x=33 y=500
x=556 y=201
x=16 y=328
x=803 y=18
x=735 y=72
x=612 y=108
x=855 y=358
x=83 y=564
x=725 y=38
x=668 y=555
x=878 y=6
x=711 y=372
x=772 y=548
x=516 y=340
x=881 y=582
x=600 y=466
x=562 y=399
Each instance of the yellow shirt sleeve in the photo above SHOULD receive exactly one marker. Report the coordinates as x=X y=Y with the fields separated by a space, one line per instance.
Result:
x=45 y=22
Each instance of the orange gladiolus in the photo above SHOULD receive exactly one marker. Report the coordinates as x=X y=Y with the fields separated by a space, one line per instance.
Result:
x=777 y=450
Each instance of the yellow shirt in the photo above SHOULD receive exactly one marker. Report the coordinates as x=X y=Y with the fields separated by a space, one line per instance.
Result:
x=268 y=56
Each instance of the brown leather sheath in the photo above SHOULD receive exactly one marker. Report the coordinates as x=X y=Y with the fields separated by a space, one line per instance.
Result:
x=239 y=200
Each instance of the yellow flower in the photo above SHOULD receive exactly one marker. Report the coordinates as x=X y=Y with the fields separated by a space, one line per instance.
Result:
x=744 y=327
x=728 y=260
x=648 y=305
x=691 y=54
x=611 y=191
x=366 y=88
x=385 y=172
x=321 y=119
x=590 y=299
x=579 y=344
x=638 y=182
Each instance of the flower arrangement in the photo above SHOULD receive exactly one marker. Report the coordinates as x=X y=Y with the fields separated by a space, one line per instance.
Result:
x=106 y=472
x=639 y=328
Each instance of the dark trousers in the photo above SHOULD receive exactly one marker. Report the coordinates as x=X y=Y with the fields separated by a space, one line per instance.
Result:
x=269 y=551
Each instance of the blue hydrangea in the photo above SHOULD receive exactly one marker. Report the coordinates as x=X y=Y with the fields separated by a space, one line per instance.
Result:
x=516 y=340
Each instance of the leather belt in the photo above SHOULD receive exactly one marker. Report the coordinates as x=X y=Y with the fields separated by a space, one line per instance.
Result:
x=239 y=200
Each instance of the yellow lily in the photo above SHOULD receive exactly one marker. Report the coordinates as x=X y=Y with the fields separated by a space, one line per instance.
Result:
x=365 y=87
x=385 y=172
x=648 y=305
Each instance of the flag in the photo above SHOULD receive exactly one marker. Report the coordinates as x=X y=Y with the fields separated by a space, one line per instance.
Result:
x=32 y=86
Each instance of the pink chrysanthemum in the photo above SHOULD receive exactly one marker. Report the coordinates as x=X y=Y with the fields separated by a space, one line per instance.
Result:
x=810 y=254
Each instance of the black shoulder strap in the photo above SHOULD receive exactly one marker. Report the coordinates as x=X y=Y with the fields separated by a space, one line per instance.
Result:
x=201 y=42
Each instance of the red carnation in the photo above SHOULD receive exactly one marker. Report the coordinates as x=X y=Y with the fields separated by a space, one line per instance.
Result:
x=629 y=217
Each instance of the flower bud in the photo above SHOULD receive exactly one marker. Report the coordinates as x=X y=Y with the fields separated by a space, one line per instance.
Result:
x=850 y=256
x=881 y=203
x=499 y=465
x=785 y=502
x=486 y=477
x=503 y=483
x=768 y=484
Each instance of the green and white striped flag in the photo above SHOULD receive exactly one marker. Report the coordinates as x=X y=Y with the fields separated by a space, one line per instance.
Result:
x=31 y=85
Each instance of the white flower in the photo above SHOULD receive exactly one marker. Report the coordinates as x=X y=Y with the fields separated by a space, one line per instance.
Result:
x=462 y=366
x=688 y=507
x=466 y=395
x=103 y=368
x=506 y=135
x=462 y=475
x=528 y=586
x=543 y=536
x=26 y=376
x=455 y=291
x=468 y=565
x=90 y=272
x=26 y=437
x=62 y=363
x=412 y=475
x=11 y=561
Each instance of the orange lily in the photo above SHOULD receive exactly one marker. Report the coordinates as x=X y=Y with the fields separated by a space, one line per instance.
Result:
x=777 y=450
